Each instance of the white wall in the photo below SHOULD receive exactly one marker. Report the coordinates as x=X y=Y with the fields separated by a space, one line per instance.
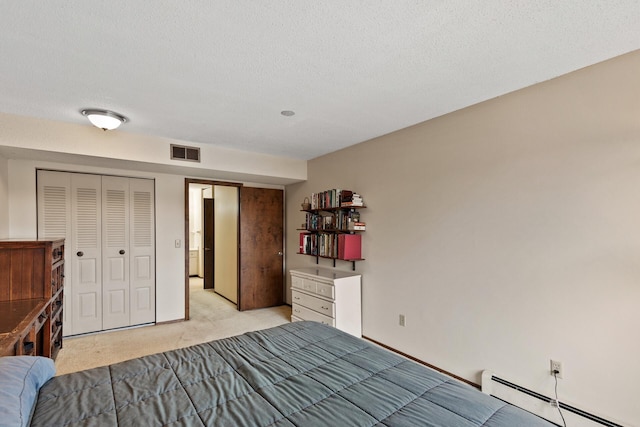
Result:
x=92 y=146
x=195 y=218
x=507 y=233
x=169 y=224
x=4 y=197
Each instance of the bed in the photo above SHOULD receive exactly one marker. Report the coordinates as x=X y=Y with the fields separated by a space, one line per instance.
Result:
x=298 y=374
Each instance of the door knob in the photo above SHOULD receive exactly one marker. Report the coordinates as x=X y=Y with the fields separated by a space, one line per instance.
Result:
x=207 y=249
x=280 y=253
x=80 y=253
x=121 y=252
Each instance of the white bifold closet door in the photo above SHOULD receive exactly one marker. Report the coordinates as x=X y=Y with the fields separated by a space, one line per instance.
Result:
x=109 y=226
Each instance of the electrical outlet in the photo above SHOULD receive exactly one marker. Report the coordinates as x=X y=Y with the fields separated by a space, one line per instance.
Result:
x=556 y=366
x=401 y=320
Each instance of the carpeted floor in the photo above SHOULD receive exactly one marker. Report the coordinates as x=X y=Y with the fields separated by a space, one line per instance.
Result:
x=212 y=317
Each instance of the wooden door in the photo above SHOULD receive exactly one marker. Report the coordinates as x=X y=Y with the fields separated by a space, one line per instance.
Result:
x=209 y=248
x=261 y=248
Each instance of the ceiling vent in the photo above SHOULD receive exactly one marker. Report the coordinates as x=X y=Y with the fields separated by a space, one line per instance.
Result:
x=181 y=152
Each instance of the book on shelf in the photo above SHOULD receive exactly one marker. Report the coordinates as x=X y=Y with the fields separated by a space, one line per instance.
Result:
x=351 y=200
x=346 y=196
x=335 y=198
x=326 y=199
x=357 y=226
x=349 y=246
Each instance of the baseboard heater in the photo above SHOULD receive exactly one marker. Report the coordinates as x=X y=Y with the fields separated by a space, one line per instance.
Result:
x=539 y=404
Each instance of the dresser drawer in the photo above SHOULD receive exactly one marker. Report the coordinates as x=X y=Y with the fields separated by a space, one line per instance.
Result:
x=304 y=284
x=325 y=290
x=309 y=285
x=320 y=305
x=305 y=313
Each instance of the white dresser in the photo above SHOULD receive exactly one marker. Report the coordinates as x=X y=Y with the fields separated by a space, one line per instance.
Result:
x=327 y=296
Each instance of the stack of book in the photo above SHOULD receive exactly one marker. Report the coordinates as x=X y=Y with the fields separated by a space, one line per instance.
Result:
x=312 y=221
x=357 y=226
x=326 y=199
x=322 y=244
x=350 y=199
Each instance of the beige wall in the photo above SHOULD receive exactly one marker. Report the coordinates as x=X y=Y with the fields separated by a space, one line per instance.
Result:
x=4 y=197
x=226 y=212
x=507 y=233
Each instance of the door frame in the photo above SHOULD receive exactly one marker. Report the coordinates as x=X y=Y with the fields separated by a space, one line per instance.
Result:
x=188 y=181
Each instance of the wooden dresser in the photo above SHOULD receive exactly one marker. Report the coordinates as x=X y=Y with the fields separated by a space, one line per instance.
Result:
x=31 y=297
x=327 y=296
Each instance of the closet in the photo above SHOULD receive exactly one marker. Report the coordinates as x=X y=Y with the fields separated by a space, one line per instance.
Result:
x=109 y=227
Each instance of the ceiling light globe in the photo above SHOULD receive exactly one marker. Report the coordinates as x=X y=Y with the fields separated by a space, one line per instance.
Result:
x=104 y=119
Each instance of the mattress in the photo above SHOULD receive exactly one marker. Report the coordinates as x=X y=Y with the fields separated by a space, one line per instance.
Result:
x=298 y=374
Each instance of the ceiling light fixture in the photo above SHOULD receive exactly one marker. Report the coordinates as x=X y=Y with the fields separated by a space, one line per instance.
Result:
x=104 y=119
x=287 y=113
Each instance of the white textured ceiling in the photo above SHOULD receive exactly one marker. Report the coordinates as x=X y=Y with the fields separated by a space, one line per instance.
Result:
x=220 y=72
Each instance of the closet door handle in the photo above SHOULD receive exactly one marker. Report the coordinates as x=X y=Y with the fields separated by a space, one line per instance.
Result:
x=79 y=253
x=121 y=252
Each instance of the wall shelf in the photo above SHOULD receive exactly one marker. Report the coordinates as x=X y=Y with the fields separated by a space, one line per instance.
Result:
x=327 y=229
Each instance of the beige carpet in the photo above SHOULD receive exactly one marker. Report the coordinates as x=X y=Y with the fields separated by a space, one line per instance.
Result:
x=212 y=317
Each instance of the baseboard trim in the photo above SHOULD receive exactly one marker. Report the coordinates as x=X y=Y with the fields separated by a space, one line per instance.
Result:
x=422 y=362
x=167 y=322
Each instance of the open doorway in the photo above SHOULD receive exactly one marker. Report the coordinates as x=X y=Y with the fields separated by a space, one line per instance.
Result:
x=251 y=268
x=211 y=238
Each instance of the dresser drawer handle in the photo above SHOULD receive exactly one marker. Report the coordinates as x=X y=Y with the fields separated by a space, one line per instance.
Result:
x=325 y=308
x=296 y=297
x=296 y=310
